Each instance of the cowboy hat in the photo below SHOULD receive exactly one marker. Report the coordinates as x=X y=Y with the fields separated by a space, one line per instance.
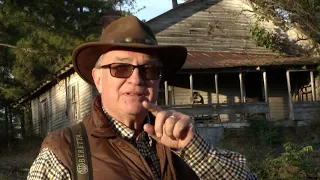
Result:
x=127 y=33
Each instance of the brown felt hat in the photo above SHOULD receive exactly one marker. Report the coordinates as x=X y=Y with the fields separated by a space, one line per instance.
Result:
x=127 y=33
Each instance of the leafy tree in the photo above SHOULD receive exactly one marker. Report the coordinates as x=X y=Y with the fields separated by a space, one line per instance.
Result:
x=37 y=38
x=42 y=34
x=303 y=15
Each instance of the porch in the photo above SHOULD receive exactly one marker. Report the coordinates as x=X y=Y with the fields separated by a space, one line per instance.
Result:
x=234 y=95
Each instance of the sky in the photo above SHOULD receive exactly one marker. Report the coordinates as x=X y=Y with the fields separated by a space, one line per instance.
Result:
x=153 y=8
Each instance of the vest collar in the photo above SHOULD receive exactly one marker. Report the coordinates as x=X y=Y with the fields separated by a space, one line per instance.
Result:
x=100 y=126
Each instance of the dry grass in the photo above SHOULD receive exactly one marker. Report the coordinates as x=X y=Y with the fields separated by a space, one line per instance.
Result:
x=263 y=144
x=16 y=159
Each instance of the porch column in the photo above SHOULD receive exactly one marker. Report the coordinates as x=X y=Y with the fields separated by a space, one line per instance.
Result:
x=264 y=74
x=191 y=87
x=313 y=90
x=241 y=87
x=242 y=95
x=265 y=87
x=216 y=85
x=289 y=95
x=166 y=93
x=217 y=92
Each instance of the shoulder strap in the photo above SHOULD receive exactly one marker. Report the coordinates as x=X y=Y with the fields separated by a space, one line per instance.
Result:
x=81 y=156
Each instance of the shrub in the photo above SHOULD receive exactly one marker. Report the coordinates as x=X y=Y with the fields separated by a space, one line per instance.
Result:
x=294 y=164
x=264 y=132
x=277 y=152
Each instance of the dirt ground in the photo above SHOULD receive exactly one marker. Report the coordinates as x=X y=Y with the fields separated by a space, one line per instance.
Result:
x=16 y=160
x=11 y=169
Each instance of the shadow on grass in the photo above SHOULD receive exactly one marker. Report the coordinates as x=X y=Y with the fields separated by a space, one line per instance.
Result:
x=17 y=157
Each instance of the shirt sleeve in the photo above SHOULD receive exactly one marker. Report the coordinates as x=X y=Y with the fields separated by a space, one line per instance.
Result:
x=209 y=162
x=47 y=166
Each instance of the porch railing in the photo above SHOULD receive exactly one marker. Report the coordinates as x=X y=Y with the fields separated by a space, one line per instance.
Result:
x=213 y=111
x=306 y=110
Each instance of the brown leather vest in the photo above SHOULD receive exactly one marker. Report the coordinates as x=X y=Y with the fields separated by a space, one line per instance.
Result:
x=113 y=157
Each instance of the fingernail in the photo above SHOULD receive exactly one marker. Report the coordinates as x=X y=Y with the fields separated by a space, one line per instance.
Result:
x=159 y=134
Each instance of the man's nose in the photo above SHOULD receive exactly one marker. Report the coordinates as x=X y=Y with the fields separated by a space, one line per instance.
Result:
x=135 y=77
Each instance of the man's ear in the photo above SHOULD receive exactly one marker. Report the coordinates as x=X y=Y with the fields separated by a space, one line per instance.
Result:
x=97 y=78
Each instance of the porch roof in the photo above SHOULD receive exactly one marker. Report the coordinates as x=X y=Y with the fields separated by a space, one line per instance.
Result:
x=211 y=60
x=195 y=60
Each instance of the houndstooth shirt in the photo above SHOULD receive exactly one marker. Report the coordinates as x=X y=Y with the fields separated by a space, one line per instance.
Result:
x=206 y=161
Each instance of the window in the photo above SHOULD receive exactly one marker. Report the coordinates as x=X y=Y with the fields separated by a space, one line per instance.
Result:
x=73 y=104
x=44 y=118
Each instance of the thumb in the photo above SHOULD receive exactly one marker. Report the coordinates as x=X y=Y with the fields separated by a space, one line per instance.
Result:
x=151 y=132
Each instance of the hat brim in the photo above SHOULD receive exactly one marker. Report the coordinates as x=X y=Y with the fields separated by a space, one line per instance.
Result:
x=85 y=56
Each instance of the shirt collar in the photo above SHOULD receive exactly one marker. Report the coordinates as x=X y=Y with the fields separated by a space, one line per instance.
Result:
x=124 y=131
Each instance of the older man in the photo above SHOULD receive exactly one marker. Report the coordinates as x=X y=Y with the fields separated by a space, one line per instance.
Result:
x=129 y=137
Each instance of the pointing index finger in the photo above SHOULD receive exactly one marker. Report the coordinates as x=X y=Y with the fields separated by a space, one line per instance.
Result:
x=154 y=109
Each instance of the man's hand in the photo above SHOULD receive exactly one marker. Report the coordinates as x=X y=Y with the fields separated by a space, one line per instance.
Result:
x=172 y=129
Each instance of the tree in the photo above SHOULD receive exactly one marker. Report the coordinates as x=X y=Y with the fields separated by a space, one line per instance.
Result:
x=42 y=34
x=37 y=38
x=303 y=15
x=174 y=3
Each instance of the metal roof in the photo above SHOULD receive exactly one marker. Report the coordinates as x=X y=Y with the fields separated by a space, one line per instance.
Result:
x=211 y=60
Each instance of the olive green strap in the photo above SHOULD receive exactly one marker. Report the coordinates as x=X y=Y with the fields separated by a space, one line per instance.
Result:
x=81 y=157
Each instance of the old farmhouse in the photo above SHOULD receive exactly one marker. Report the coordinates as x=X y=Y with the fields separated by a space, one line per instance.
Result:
x=226 y=78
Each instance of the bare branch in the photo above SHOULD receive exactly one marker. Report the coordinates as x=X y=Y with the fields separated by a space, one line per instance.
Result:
x=8 y=45
x=15 y=47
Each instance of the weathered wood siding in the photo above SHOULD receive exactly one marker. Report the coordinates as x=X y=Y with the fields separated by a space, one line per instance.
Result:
x=229 y=91
x=39 y=123
x=58 y=100
x=306 y=110
x=208 y=25
x=84 y=96
x=35 y=116
x=229 y=88
x=181 y=95
x=278 y=103
x=59 y=105
x=278 y=95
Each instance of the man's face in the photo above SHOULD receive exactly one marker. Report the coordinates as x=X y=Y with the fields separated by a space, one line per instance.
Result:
x=125 y=95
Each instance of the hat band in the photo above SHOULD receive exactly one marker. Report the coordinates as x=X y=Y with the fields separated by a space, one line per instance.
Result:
x=137 y=40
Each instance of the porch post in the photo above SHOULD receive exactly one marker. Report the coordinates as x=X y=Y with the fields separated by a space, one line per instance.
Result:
x=289 y=95
x=242 y=95
x=166 y=93
x=241 y=87
x=191 y=87
x=266 y=97
x=217 y=91
x=264 y=74
x=312 y=86
x=216 y=85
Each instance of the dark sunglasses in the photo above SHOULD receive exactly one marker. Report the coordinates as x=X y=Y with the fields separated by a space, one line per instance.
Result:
x=123 y=70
